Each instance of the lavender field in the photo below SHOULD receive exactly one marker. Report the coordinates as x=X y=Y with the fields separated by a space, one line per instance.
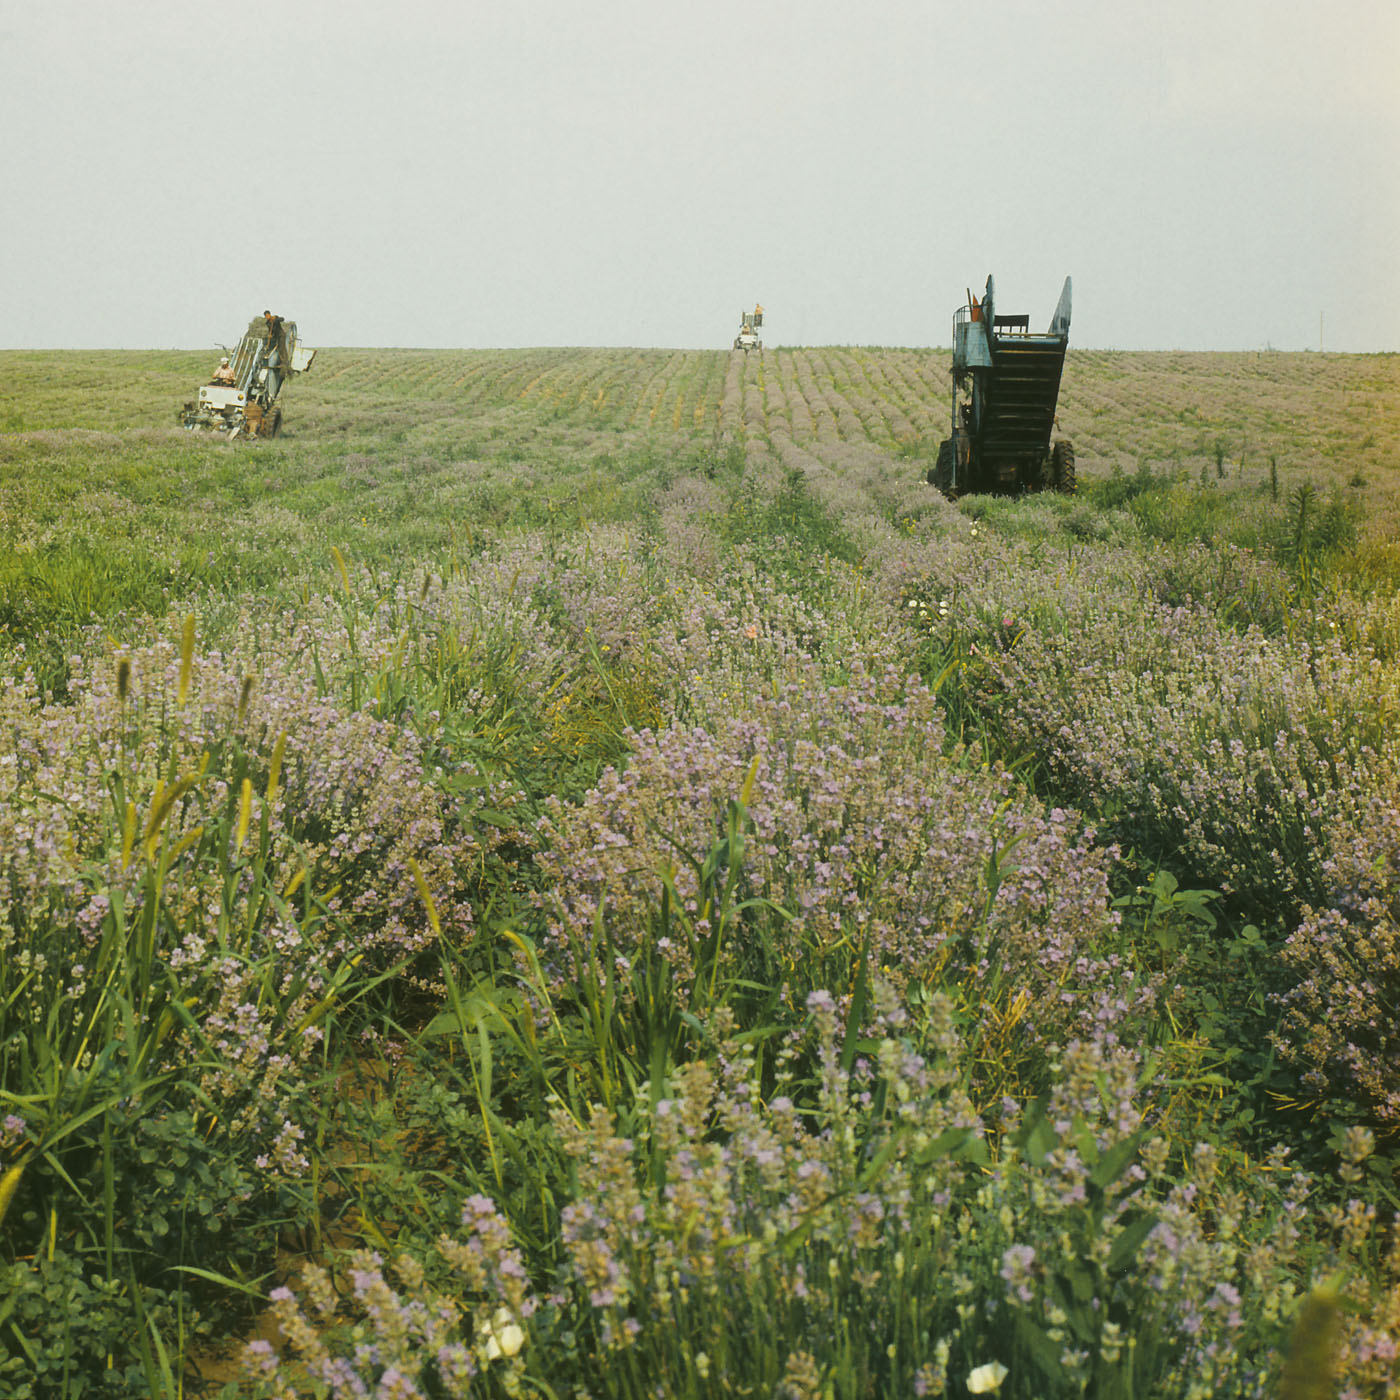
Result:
x=576 y=873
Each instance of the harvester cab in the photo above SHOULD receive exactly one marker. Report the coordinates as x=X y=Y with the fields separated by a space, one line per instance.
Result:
x=750 y=323
x=240 y=399
x=1006 y=382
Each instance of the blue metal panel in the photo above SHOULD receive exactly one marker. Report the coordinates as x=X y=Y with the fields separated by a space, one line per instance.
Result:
x=970 y=348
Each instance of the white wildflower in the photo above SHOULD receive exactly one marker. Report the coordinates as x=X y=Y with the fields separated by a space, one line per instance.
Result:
x=986 y=1379
x=502 y=1336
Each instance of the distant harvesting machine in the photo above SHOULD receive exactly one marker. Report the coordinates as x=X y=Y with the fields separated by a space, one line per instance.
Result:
x=750 y=323
x=1006 y=382
x=241 y=398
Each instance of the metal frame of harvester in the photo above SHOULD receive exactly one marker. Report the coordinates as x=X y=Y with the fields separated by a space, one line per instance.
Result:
x=269 y=354
x=1006 y=382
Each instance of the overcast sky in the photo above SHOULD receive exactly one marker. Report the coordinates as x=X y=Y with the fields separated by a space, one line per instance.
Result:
x=1221 y=175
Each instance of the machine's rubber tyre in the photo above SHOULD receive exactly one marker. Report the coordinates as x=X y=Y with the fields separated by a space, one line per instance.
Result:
x=272 y=423
x=1062 y=468
x=940 y=474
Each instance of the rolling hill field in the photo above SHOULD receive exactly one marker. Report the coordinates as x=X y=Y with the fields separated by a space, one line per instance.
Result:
x=576 y=872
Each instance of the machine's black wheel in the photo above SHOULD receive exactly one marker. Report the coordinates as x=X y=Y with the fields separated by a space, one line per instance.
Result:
x=940 y=474
x=1062 y=468
x=272 y=422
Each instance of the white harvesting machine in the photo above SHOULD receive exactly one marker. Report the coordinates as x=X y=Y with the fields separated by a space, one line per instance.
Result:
x=750 y=323
x=241 y=398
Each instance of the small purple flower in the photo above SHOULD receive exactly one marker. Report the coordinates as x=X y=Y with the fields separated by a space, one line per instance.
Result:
x=1016 y=1265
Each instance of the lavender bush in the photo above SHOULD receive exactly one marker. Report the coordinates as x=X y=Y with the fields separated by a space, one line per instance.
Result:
x=1230 y=749
x=1341 y=1016
x=865 y=841
x=197 y=874
x=860 y=1233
